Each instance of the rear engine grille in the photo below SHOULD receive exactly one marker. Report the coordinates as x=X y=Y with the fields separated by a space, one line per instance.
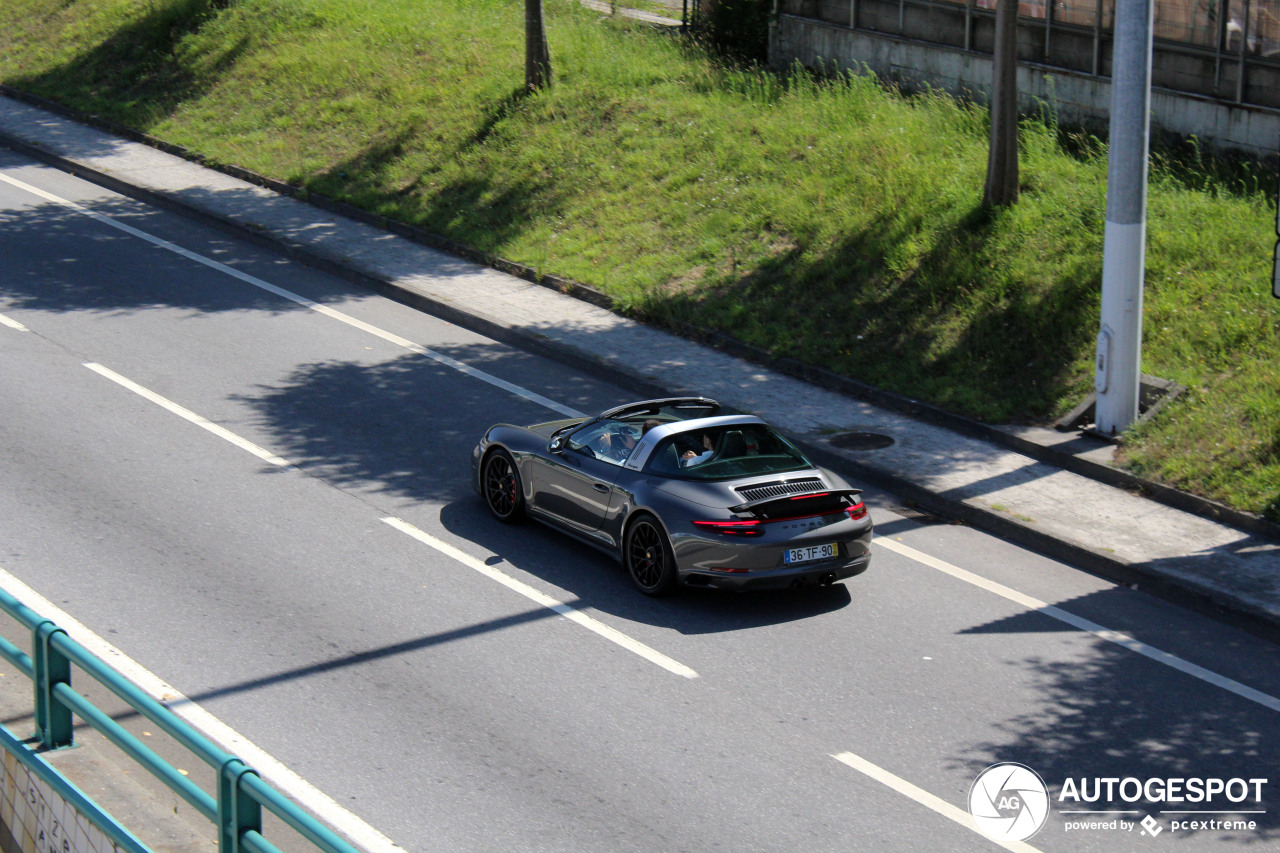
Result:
x=780 y=489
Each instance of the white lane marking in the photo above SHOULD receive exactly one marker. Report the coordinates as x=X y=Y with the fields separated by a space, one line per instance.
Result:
x=924 y=798
x=591 y=624
x=281 y=777
x=187 y=414
x=415 y=348
x=611 y=634
x=12 y=323
x=1103 y=633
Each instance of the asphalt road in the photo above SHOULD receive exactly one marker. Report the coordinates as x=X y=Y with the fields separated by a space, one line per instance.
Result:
x=252 y=479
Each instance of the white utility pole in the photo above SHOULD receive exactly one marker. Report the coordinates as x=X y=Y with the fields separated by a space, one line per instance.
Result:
x=1119 y=355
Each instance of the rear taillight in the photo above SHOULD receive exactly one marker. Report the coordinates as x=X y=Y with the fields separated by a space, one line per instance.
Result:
x=748 y=527
x=755 y=526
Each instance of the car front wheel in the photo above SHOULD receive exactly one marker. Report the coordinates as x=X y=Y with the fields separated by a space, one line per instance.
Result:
x=502 y=489
x=648 y=557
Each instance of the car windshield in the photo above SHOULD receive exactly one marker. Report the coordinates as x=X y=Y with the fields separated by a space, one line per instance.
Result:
x=613 y=439
x=610 y=440
x=725 y=452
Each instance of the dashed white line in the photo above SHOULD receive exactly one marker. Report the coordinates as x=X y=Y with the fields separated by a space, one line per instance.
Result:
x=1031 y=603
x=187 y=414
x=12 y=323
x=591 y=624
x=924 y=798
x=1119 y=638
x=390 y=337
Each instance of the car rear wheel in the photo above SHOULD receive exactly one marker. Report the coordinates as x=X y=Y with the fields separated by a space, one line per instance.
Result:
x=502 y=490
x=648 y=557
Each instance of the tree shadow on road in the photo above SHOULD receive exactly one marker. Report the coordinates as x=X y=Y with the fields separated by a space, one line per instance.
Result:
x=405 y=429
x=87 y=266
x=1112 y=713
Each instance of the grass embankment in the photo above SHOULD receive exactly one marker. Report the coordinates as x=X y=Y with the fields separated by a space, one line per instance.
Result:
x=837 y=224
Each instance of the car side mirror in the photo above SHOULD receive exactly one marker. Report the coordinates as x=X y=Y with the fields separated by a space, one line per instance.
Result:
x=556 y=445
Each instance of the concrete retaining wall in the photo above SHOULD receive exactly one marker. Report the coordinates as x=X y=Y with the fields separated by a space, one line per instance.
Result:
x=34 y=818
x=1075 y=98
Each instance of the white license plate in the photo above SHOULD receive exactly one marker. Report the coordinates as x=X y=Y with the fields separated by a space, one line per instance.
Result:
x=810 y=553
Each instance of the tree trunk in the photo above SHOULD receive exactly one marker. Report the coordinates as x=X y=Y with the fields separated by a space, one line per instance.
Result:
x=537 y=55
x=1002 y=159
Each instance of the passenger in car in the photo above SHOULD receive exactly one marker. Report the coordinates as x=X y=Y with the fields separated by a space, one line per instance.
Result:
x=692 y=457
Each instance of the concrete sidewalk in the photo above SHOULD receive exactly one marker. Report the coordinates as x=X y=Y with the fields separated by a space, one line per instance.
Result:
x=1036 y=487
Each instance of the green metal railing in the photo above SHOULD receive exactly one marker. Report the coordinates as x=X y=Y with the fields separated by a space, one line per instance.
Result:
x=241 y=794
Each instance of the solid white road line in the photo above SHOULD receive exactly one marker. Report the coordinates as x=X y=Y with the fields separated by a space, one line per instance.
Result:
x=1099 y=631
x=281 y=777
x=12 y=323
x=588 y=622
x=924 y=798
x=594 y=625
x=418 y=349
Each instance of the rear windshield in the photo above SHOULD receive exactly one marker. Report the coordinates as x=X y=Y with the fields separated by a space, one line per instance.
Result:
x=726 y=452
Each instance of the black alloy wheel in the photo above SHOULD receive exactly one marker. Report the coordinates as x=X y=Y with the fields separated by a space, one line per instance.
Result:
x=502 y=491
x=648 y=557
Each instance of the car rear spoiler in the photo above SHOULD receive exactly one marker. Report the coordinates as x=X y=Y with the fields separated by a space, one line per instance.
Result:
x=757 y=507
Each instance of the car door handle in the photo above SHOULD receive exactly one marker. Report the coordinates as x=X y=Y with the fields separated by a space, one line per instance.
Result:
x=600 y=487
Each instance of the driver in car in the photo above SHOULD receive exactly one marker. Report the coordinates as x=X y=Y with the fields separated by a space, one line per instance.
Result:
x=619 y=444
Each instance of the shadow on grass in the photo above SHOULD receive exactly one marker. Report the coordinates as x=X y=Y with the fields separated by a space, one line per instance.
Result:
x=136 y=76
x=845 y=309
x=499 y=112
x=485 y=214
x=999 y=359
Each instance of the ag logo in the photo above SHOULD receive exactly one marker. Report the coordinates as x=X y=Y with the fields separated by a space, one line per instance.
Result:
x=1009 y=802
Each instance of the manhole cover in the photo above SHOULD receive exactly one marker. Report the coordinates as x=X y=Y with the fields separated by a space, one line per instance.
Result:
x=861 y=440
x=915 y=514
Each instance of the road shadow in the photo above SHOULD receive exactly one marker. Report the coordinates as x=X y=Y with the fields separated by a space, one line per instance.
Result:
x=94 y=267
x=922 y=325
x=1111 y=713
x=405 y=428
x=600 y=583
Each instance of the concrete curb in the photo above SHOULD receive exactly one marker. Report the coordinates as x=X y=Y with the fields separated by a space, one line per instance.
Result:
x=1201 y=598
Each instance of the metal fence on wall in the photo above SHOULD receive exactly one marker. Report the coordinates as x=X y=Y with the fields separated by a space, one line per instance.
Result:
x=1230 y=25
x=1223 y=49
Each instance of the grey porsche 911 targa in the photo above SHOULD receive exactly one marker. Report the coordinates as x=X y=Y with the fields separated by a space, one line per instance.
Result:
x=680 y=495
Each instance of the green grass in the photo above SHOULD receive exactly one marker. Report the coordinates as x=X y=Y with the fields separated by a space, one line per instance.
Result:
x=833 y=222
